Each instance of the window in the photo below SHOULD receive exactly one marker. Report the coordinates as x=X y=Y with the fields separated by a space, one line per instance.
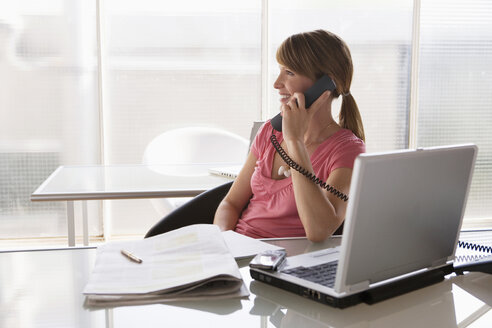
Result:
x=165 y=64
x=170 y=64
x=455 y=83
x=48 y=105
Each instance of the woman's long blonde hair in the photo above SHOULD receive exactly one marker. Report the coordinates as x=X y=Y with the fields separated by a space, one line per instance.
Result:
x=320 y=52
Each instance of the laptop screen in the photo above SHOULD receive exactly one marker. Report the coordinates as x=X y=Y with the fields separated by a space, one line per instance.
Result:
x=408 y=206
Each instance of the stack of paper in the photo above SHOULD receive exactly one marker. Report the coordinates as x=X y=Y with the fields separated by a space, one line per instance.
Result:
x=185 y=264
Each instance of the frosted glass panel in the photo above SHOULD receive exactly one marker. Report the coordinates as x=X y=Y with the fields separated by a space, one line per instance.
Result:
x=455 y=87
x=381 y=57
x=48 y=107
x=171 y=64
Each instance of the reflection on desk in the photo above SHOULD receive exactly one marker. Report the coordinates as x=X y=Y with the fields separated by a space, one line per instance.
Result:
x=415 y=310
x=44 y=289
x=456 y=302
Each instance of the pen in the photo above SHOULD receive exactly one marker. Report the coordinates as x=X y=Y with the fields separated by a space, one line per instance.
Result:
x=131 y=256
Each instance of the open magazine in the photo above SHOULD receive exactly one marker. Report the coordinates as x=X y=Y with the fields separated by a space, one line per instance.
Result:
x=189 y=263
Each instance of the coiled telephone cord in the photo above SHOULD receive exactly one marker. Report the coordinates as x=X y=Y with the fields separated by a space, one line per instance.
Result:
x=476 y=247
x=303 y=171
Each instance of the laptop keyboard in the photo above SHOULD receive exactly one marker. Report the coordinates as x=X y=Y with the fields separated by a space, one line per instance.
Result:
x=323 y=274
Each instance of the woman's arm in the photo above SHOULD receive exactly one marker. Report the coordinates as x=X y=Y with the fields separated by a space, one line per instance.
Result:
x=229 y=210
x=320 y=211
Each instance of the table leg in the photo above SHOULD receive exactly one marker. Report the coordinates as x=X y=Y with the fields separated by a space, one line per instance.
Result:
x=71 y=223
x=264 y=321
x=85 y=223
x=109 y=318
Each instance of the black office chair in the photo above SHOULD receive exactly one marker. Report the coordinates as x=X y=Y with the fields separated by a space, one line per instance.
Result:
x=200 y=209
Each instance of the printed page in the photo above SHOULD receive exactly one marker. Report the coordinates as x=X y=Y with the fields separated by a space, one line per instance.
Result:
x=95 y=301
x=174 y=261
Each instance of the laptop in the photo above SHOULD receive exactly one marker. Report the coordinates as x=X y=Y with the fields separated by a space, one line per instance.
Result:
x=402 y=225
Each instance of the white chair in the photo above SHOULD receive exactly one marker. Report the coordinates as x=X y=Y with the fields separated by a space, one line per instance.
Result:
x=192 y=145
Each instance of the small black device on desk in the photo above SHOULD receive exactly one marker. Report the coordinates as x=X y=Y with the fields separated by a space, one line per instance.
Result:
x=268 y=260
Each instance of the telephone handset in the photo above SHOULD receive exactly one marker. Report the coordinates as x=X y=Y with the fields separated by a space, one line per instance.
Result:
x=310 y=96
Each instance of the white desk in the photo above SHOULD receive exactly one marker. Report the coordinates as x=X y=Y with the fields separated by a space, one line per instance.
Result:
x=98 y=182
x=44 y=289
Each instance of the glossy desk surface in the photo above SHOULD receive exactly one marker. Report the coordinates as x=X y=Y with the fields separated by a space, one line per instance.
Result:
x=88 y=182
x=44 y=289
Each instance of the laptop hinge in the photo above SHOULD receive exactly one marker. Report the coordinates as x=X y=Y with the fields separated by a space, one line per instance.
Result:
x=359 y=286
x=439 y=262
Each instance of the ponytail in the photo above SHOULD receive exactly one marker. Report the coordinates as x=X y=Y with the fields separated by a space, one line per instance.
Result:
x=349 y=117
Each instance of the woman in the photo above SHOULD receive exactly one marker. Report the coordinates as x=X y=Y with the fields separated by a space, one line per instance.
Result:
x=269 y=200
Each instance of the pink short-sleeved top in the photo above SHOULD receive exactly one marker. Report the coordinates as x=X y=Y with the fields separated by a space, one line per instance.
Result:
x=272 y=210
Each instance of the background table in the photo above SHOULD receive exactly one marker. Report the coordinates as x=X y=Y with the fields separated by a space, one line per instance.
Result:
x=44 y=289
x=100 y=182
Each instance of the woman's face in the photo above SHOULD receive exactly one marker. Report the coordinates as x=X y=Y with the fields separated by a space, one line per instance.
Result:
x=288 y=82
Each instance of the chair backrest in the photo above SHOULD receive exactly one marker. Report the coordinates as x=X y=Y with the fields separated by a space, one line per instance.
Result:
x=191 y=145
x=196 y=145
x=200 y=209
x=254 y=131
